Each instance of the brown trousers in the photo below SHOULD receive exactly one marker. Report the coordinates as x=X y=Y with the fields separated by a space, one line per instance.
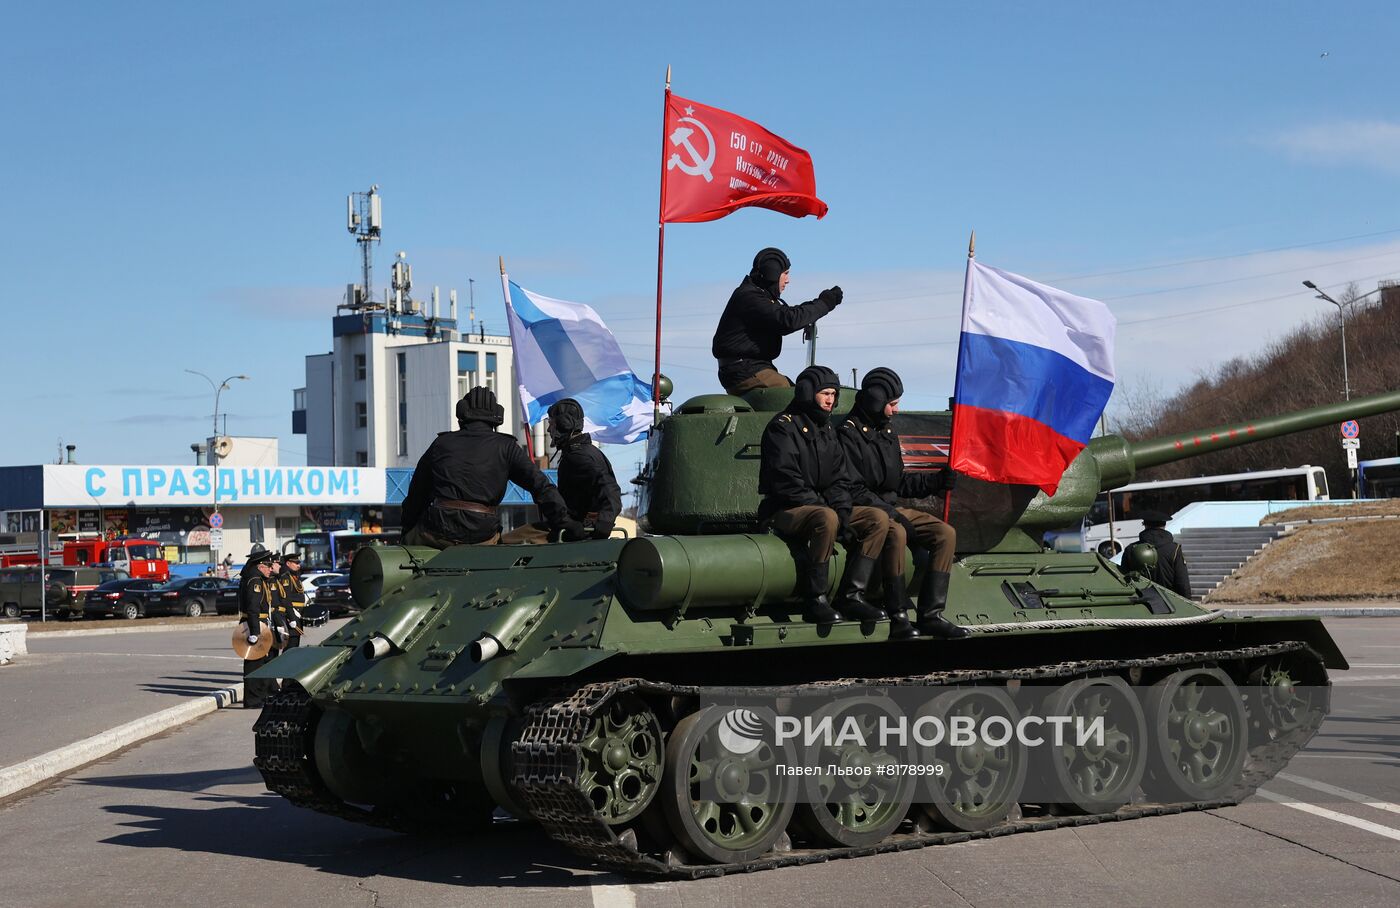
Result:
x=529 y=534
x=929 y=533
x=763 y=378
x=817 y=526
x=420 y=536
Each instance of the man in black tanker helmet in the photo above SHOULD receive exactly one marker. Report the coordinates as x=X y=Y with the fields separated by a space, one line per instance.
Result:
x=877 y=463
x=1171 y=570
x=460 y=480
x=751 y=330
x=586 y=482
x=807 y=498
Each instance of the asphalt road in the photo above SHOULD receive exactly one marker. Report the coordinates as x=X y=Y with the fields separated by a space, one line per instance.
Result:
x=184 y=818
x=71 y=687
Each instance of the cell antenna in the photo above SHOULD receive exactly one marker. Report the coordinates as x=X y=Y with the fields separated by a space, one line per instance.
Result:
x=364 y=220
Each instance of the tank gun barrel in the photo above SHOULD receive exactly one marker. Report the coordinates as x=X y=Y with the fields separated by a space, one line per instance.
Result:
x=1167 y=449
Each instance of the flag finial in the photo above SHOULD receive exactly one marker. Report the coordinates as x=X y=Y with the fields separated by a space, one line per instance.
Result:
x=668 y=77
x=972 y=244
x=502 y=260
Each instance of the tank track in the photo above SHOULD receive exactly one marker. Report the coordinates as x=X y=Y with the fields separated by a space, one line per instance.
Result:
x=547 y=758
x=282 y=746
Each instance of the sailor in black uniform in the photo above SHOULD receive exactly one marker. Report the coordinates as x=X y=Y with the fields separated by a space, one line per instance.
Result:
x=586 y=482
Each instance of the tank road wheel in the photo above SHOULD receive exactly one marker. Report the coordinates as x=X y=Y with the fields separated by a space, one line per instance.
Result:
x=1199 y=736
x=1281 y=701
x=1100 y=775
x=868 y=804
x=979 y=783
x=723 y=797
x=621 y=756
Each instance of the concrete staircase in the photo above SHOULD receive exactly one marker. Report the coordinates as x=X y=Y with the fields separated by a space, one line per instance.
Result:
x=1216 y=553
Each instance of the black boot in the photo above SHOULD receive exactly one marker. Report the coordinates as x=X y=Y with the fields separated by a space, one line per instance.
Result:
x=897 y=606
x=850 y=599
x=816 y=608
x=933 y=596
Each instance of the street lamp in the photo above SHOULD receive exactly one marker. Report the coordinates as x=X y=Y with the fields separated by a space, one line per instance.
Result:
x=218 y=389
x=1342 y=315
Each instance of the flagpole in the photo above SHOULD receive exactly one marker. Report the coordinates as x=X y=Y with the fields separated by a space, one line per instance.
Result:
x=524 y=417
x=957 y=370
x=660 y=255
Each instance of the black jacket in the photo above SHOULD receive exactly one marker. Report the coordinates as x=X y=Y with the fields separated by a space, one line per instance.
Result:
x=587 y=483
x=877 y=463
x=754 y=323
x=474 y=464
x=255 y=601
x=1171 y=563
x=803 y=464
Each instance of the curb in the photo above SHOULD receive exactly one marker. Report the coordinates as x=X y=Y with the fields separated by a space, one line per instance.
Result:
x=35 y=634
x=20 y=776
x=1359 y=612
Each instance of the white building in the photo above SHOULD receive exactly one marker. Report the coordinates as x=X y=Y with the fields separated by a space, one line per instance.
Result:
x=391 y=383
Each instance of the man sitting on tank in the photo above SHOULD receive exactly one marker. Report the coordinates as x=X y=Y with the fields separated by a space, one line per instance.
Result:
x=808 y=498
x=585 y=480
x=877 y=464
x=751 y=329
x=460 y=480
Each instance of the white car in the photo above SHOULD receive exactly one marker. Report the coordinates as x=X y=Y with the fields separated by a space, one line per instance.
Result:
x=310 y=581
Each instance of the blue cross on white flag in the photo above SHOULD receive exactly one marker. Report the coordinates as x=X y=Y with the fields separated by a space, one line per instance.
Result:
x=564 y=350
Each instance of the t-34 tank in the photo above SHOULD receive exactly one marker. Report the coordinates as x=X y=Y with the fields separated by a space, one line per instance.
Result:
x=628 y=695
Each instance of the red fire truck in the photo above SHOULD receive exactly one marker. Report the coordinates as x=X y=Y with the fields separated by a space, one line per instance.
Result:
x=138 y=557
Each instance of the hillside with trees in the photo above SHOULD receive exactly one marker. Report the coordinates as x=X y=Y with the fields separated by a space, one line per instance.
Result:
x=1301 y=370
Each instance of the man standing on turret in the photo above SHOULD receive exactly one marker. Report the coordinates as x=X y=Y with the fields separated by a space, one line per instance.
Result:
x=751 y=330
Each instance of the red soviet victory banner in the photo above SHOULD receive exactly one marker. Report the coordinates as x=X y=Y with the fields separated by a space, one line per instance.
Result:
x=715 y=162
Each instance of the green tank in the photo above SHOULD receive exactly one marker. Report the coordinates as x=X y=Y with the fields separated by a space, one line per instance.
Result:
x=636 y=698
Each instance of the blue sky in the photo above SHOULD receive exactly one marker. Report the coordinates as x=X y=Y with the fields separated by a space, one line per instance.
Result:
x=176 y=176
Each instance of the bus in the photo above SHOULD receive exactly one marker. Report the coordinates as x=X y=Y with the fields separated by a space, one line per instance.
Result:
x=1379 y=478
x=333 y=550
x=1305 y=483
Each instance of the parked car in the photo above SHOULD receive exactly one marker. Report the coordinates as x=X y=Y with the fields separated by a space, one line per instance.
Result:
x=189 y=596
x=228 y=597
x=312 y=582
x=118 y=597
x=67 y=588
x=334 y=595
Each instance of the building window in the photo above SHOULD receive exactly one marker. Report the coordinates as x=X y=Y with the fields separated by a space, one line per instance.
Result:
x=299 y=399
x=359 y=367
x=466 y=372
x=361 y=415
x=255 y=528
x=403 y=402
x=287 y=527
x=491 y=372
x=361 y=458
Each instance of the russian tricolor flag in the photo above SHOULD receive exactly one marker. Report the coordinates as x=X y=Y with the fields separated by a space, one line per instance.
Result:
x=1035 y=371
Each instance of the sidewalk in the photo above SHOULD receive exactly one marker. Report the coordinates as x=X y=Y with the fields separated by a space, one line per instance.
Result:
x=1314 y=608
x=73 y=687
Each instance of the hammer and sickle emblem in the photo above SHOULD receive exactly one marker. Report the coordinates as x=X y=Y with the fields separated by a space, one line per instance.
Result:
x=699 y=166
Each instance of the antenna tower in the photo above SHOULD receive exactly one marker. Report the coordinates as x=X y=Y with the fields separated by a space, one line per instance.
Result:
x=364 y=220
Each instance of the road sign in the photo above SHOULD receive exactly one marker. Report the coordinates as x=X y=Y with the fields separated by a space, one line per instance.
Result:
x=1351 y=458
x=216 y=539
x=1351 y=429
x=216 y=521
x=1351 y=444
